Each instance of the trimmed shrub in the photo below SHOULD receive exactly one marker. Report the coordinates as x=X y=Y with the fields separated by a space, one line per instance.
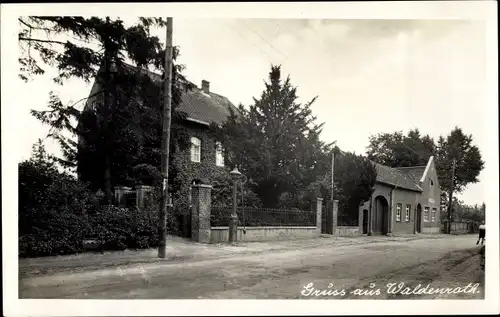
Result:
x=51 y=210
x=56 y=215
x=45 y=232
x=121 y=228
x=48 y=232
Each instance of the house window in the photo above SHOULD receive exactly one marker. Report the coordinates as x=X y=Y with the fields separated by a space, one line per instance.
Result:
x=433 y=215
x=195 y=150
x=407 y=213
x=219 y=154
x=426 y=214
x=398 y=212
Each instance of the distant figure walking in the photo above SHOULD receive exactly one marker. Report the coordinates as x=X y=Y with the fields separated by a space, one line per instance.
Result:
x=482 y=233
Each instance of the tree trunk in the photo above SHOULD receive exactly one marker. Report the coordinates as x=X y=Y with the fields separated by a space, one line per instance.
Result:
x=107 y=179
x=109 y=99
x=450 y=209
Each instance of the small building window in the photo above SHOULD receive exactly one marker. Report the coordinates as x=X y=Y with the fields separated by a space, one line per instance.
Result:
x=426 y=214
x=219 y=154
x=407 y=213
x=433 y=215
x=398 y=212
x=195 y=150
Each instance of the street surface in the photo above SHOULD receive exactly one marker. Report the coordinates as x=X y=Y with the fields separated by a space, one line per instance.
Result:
x=348 y=267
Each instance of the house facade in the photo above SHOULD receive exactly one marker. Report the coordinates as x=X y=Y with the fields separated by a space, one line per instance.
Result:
x=203 y=161
x=404 y=200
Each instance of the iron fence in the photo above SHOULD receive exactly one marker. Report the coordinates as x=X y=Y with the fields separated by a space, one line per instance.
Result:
x=263 y=217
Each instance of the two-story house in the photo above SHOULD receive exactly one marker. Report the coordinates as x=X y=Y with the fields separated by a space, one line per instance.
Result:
x=404 y=200
x=203 y=160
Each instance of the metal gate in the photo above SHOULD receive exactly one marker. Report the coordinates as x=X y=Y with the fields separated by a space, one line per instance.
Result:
x=327 y=218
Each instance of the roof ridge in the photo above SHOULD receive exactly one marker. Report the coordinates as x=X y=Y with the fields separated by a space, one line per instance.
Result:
x=217 y=109
x=396 y=177
x=416 y=166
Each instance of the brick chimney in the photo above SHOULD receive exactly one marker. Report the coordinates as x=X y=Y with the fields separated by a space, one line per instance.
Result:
x=205 y=86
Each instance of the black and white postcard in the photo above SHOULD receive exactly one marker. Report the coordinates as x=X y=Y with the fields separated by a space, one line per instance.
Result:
x=281 y=158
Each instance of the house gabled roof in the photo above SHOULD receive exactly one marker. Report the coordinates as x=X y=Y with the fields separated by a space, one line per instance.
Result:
x=206 y=108
x=409 y=178
x=398 y=177
x=415 y=172
x=201 y=107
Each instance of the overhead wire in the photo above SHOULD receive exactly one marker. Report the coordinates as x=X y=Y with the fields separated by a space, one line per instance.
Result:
x=253 y=44
x=262 y=38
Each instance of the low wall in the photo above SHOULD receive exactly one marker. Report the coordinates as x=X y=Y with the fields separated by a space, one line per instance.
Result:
x=460 y=227
x=431 y=230
x=347 y=231
x=221 y=234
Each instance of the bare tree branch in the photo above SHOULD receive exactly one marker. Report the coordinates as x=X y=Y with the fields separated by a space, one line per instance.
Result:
x=34 y=27
x=41 y=41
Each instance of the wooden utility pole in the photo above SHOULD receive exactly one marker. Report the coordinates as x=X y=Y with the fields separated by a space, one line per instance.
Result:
x=450 y=198
x=165 y=141
x=333 y=166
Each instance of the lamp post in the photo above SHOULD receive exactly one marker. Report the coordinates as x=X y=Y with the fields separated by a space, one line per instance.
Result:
x=233 y=224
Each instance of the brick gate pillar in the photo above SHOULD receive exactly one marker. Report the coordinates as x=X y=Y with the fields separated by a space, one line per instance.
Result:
x=335 y=212
x=200 y=212
x=141 y=192
x=360 y=218
x=319 y=209
x=120 y=195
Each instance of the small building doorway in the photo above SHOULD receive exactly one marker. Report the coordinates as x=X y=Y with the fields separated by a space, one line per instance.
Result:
x=381 y=215
x=418 y=219
x=365 y=221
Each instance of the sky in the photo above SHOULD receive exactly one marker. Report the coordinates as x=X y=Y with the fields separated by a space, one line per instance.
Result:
x=370 y=76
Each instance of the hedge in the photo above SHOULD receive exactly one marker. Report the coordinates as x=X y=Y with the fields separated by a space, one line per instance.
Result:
x=56 y=232
x=57 y=213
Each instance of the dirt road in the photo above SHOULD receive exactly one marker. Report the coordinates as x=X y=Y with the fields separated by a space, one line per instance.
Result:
x=350 y=269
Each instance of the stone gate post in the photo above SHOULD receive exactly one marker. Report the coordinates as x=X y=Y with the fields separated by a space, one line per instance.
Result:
x=120 y=195
x=200 y=212
x=141 y=191
x=319 y=210
x=335 y=212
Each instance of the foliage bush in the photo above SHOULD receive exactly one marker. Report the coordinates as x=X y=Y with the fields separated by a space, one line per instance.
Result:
x=56 y=232
x=44 y=232
x=222 y=193
x=121 y=228
x=41 y=185
x=57 y=213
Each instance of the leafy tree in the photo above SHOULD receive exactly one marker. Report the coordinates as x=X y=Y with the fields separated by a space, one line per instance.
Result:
x=275 y=142
x=354 y=178
x=123 y=129
x=43 y=186
x=467 y=213
x=399 y=150
x=222 y=193
x=457 y=147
